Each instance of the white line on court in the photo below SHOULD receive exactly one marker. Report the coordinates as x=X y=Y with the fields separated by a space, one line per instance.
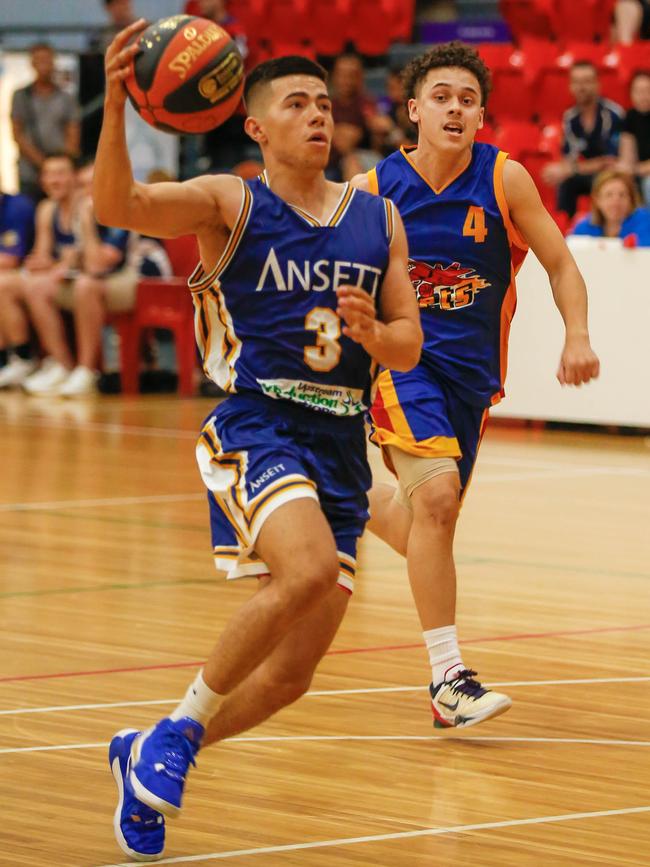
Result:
x=106 y=501
x=398 y=835
x=601 y=742
x=326 y=692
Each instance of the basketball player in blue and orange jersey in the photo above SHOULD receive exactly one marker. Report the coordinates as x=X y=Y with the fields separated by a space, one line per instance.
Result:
x=302 y=284
x=470 y=215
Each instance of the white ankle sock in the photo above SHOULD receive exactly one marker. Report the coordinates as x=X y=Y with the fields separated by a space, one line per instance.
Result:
x=200 y=702
x=444 y=653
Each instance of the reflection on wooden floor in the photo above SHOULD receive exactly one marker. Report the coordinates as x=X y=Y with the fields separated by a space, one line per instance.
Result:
x=109 y=601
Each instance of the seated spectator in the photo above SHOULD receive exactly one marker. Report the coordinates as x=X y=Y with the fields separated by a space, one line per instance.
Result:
x=103 y=279
x=631 y=21
x=53 y=255
x=634 y=149
x=355 y=117
x=393 y=106
x=16 y=237
x=615 y=211
x=45 y=121
x=591 y=132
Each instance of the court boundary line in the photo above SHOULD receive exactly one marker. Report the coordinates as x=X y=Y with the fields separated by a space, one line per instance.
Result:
x=397 y=835
x=518 y=636
x=320 y=693
x=434 y=738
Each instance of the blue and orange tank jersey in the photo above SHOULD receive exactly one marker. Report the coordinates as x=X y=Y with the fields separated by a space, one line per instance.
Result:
x=464 y=253
x=265 y=316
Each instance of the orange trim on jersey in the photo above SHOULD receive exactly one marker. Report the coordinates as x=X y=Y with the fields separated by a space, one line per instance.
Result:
x=404 y=150
x=434 y=447
x=514 y=235
x=390 y=220
x=373 y=182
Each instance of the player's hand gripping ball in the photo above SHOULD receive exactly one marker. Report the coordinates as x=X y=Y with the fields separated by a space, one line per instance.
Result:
x=188 y=75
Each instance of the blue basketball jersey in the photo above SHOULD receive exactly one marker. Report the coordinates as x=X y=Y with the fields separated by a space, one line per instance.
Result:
x=464 y=253
x=265 y=316
x=60 y=236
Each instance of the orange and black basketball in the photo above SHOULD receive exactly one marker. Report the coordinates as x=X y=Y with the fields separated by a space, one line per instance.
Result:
x=188 y=75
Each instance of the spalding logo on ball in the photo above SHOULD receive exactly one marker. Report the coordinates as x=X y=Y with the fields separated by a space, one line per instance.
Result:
x=188 y=75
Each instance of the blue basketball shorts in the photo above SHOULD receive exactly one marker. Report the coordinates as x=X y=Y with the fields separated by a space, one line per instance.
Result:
x=420 y=414
x=255 y=454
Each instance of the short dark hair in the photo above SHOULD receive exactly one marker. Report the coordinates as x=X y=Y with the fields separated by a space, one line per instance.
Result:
x=640 y=73
x=280 y=67
x=584 y=63
x=448 y=54
x=41 y=46
x=61 y=155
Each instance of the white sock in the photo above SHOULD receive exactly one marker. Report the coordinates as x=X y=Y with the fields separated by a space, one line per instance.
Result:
x=200 y=702
x=444 y=653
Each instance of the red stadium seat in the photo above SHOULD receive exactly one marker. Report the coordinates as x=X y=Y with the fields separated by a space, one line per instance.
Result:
x=629 y=59
x=510 y=88
x=527 y=18
x=371 y=26
x=328 y=25
x=587 y=20
x=162 y=303
x=286 y=26
x=487 y=133
x=517 y=137
x=403 y=19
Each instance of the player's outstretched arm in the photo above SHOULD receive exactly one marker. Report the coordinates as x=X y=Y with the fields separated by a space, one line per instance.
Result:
x=163 y=210
x=578 y=363
x=395 y=341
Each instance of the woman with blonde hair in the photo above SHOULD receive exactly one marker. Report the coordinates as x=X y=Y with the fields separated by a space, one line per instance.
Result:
x=616 y=211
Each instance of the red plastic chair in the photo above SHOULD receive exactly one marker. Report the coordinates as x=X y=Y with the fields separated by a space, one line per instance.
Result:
x=587 y=20
x=286 y=27
x=162 y=303
x=371 y=26
x=630 y=59
x=327 y=27
x=527 y=18
x=517 y=137
x=510 y=97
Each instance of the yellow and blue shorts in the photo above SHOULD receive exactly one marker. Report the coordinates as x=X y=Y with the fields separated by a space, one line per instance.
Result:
x=256 y=453
x=419 y=413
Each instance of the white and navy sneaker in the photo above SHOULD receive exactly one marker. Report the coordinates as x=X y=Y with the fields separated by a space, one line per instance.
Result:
x=462 y=702
x=139 y=830
x=160 y=760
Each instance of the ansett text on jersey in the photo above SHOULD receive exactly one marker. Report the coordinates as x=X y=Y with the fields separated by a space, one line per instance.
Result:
x=265 y=317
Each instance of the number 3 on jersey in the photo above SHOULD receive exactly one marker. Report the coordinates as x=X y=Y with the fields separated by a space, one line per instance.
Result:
x=326 y=353
x=474 y=226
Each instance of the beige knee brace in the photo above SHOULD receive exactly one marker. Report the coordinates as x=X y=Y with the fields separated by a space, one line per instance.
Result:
x=413 y=471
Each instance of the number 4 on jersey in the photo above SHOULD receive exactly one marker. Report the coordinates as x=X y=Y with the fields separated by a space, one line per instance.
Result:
x=474 y=226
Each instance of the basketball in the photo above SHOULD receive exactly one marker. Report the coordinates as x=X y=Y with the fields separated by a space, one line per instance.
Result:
x=188 y=75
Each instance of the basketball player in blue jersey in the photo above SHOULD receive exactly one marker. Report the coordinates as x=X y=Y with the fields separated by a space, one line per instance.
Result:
x=302 y=284
x=470 y=215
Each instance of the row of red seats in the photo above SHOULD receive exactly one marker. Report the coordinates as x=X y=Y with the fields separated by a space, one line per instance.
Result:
x=558 y=19
x=533 y=80
x=325 y=26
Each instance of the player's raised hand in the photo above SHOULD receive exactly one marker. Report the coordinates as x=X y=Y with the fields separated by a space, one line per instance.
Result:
x=118 y=61
x=579 y=363
x=357 y=309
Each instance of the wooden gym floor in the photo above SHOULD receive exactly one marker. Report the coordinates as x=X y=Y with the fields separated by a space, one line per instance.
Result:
x=109 y=601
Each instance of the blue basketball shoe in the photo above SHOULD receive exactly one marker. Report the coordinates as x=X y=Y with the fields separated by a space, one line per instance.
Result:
x=139 y=830
x=160 y=760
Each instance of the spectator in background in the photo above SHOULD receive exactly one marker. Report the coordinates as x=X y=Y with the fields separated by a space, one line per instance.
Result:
x=120 y=14
x=615 y=211
x=53 y=255
x=591 y=132
x=45 y=121
x=631 y=21
x=355 y=116
x=16 y=237
x=634 y=150
x=104 y=279
x=393 y=106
